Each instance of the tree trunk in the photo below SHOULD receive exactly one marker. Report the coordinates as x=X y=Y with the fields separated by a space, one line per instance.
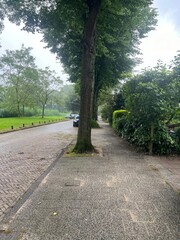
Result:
x=97 y=86
x=43 y=109
x=23 y=111
x=84 y=131
x=95 y=106
x=18 y=103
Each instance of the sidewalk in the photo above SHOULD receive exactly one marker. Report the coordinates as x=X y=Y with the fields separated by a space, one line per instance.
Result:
x=169 y=169
x=117 y=196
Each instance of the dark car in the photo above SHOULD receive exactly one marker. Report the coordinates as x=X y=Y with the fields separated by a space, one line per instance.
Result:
x=76 y=121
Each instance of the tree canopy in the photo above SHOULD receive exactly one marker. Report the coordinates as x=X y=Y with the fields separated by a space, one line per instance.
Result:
x=23 y=84
x=90 y=37
x=152 y=98
x=19 y=75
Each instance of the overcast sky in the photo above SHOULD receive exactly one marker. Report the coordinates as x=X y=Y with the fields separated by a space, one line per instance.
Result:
x=162 y=43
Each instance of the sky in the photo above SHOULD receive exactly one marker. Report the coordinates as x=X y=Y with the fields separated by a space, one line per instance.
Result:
x=13 y=37
x=162 y=43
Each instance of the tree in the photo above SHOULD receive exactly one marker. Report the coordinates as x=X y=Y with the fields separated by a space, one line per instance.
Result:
x=151 y=100
x=2 y=93
x=176 y=74
x=117 y=43
x=71 y=98
x=110 y=100
x=69 y=28
x=2 y=15
x=48 y=82
x=19 y=75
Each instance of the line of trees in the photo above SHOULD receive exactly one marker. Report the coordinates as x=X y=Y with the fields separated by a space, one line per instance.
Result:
x=96 y=41
x=23 y=85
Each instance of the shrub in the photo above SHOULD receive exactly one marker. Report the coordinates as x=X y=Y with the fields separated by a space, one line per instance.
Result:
x=7 y=113
x=178 y=139
x=94 y=124
x=138 y=133
x=119 y=120
x=177 y=115
x=106 y=114
x=163 y=142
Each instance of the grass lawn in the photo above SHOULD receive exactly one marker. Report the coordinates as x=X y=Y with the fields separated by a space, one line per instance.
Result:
x=7 y=123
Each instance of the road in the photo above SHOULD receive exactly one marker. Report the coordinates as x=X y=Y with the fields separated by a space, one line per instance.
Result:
x=25 y=155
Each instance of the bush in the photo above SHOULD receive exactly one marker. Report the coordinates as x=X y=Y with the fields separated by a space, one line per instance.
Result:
x=119 y=120
x=138 y=133
x=178 y=139
x=6 y=113
x=177 y=115
x=106 y=114
x=30 y=112
x=163 y=142
x=94 y=124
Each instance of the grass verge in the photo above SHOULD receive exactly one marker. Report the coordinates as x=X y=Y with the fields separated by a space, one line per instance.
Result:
x=16 y=123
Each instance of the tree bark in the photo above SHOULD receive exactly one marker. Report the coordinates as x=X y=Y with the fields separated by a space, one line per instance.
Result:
x=23 y=111
x=43 y=108
x=84 y=131
x=95 y=106
x=18 y=103
x=97 y=86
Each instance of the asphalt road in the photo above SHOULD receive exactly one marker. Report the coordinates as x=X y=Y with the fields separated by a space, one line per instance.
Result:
x=25 y=155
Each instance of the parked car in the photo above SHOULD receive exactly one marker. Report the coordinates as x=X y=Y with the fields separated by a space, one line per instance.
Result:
x=76 y=121
x=68 y=116
x=71 y=116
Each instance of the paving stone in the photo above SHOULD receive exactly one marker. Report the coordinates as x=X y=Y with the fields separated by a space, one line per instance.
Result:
x=114 y=197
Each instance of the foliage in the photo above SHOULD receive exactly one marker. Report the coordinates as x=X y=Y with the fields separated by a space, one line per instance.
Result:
x=163 y=142
x=139 y=135
x=119 y=119
x=19 y=75
x=151 y=99
x=80 y=32
x=4 y=113
x=2 y=14
x=94 y=124
x=106 y=113
x=47 y=83
x=110 y=100
x=176 y=75
x=71 y=98
x=177 y=132
x=23 y=85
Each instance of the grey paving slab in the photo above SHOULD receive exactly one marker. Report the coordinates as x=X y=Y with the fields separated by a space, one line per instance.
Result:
x=115 y=196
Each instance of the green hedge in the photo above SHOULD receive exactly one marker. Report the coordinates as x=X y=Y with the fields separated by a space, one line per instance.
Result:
x=119 y=119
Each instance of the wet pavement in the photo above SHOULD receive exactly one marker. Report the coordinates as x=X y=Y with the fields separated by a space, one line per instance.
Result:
x=115 y=195
x=25 y=155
